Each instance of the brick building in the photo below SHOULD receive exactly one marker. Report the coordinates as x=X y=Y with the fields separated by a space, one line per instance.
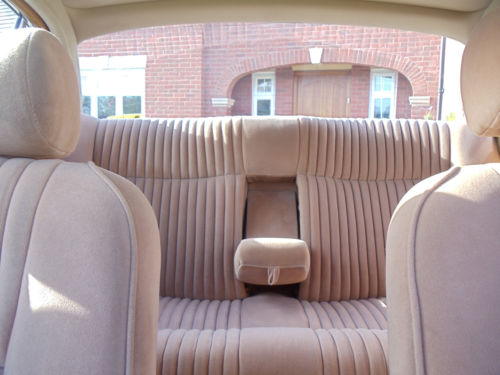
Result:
x=262 y=68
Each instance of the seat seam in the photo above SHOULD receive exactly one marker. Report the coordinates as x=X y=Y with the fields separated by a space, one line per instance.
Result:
x=366 y=304
x=354 y=304
x=352 y=351
x=369 y=223
x=13 y=189
x=179 y=351
x=414 y=297
x=348 y=305
x=320 y=350
x=381 y=349
x=28 y=242
x=194 y=351
x=111 y=145
x=358 y=332
x=338 y=312
x=210 y=350
x=330 y=313
x=133 y=266
x=336 y=349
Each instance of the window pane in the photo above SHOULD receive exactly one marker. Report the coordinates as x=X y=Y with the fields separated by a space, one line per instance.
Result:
x=376 y=108
x=106 y=106
x=387 y=83
x=263 y=107
x=264 y=85
x=86 y=106
x=386 y=108
x=131 y=104
x=384 y=83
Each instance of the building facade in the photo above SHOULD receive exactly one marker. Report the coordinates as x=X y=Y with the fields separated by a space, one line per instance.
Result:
x=262 y=69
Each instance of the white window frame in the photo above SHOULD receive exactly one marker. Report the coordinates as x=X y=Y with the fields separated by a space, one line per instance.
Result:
x=383 y=95
x=268 y=95
x=100 y=65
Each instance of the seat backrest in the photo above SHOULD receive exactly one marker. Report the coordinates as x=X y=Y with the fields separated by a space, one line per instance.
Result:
x=351 y=175
x=192 y=173
x=79 y=247
x=443 y=244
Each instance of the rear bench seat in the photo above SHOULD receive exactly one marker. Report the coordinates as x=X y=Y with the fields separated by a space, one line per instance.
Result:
x=347 y=175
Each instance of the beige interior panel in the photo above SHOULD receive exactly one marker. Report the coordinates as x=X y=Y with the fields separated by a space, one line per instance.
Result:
x=460 y=5
x=272 y=210
x=92 y=22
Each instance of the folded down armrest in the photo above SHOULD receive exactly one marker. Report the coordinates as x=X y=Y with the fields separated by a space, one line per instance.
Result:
x=271 y=261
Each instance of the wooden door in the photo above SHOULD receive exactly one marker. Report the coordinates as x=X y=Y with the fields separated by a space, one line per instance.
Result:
x=324 y=94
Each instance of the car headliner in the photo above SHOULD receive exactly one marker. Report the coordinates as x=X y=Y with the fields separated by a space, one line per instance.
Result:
x=76 y=20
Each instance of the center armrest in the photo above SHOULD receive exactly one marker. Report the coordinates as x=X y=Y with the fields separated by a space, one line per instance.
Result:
x=271 y=261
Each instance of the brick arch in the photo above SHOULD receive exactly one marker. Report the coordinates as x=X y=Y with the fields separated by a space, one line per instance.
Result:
x=402 y=64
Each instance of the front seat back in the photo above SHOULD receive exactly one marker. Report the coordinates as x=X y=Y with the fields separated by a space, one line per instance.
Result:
x=443 y=247
x=79 y=246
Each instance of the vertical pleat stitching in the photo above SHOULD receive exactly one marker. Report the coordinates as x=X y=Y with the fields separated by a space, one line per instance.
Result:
x=28 y=242
x=334 y=342
x=381 y=349
x=179 y=351
x=14 y=186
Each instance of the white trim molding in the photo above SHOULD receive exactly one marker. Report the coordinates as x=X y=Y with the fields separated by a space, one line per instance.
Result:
x=222 y=102
x=420 y=101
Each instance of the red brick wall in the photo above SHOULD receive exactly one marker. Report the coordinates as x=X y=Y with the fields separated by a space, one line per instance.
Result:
x=174 y=65
x=284 y=91
x=403 y=108
x=360 y=91
x=242 y=95
x=190 y=64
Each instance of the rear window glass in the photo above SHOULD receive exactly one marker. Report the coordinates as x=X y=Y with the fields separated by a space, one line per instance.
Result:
x=11 y=17
x=262 y=69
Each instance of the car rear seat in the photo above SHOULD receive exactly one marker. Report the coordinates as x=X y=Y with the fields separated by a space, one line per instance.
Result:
x=197 y=174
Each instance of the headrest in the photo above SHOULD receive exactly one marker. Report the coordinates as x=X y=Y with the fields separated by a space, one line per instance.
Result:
x=39 y=96
x=481 y=76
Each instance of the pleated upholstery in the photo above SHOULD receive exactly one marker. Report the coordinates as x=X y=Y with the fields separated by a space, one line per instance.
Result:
x=353 y=314
x=186 y=313
x=273 y=311
x=353 y=351
x=272 y=351
x=192 y=173
x=351 y=176
x=198 y=352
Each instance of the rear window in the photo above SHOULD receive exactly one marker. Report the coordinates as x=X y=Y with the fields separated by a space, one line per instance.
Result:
x=263 y=69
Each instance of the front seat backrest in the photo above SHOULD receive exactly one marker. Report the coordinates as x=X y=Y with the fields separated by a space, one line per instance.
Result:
x=79 y=246
x=443 y=252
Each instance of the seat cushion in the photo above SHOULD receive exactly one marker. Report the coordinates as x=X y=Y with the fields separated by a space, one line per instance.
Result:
x=210 y=336
x=364 y=313
x=271 y=310
x=276 y=351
